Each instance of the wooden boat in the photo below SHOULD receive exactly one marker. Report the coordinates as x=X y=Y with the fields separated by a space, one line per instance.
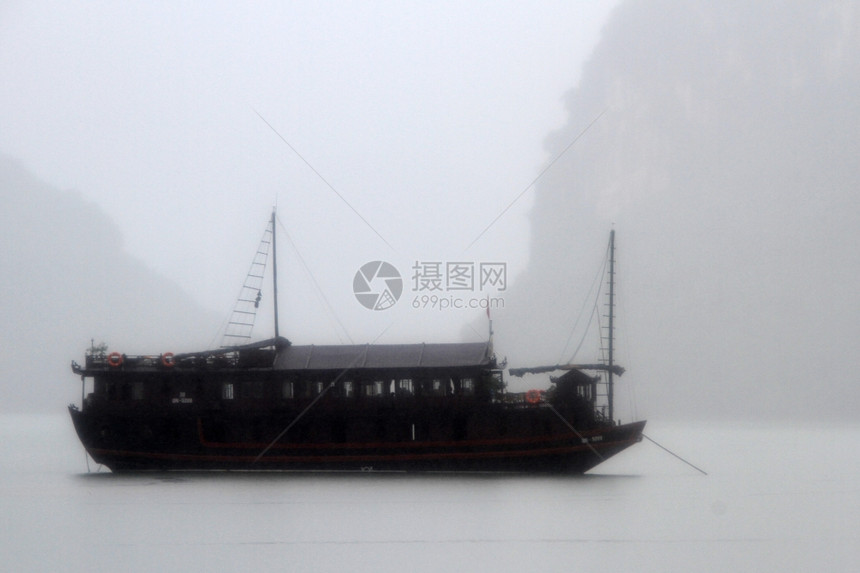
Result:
x=271 y=405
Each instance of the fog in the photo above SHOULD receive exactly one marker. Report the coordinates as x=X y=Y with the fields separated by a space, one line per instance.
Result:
x=145 y=146
x=138 y=148
x=726 y=160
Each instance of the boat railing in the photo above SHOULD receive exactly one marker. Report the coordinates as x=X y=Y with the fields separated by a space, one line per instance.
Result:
x=165 y=361
x=530 y=399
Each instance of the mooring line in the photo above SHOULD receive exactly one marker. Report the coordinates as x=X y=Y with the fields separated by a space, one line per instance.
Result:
x=674 y=454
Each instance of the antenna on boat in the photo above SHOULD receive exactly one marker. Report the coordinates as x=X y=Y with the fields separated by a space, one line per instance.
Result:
x=275 y=271
x=490 y=325
x=609 y=389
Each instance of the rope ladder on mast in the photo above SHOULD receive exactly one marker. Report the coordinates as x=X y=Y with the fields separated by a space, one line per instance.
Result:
x=241 y=324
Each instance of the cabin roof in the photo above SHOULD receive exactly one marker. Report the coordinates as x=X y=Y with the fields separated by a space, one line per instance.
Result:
x=359 y=356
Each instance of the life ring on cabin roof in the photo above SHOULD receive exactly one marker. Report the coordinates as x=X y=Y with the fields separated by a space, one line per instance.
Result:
x=167 y=360
x=533 y=396
x=114 y=359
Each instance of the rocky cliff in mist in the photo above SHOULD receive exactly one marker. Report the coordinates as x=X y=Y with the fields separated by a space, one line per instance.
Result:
x=727 y=159
x=64 y=279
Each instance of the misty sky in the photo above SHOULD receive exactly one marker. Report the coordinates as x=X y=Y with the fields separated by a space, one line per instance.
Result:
x=427 y=118
x=719 y=138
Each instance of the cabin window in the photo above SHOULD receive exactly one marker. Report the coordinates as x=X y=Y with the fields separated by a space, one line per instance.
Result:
x=227 y=391
x=137 y=390
x=467 y=386
x=373 y=388
x=287 y=390
x=440 y=386
x=404 y=387
x=318 y=388
x=348 y=389
x=498 y=383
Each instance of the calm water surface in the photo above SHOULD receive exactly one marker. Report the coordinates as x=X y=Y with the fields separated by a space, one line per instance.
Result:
x=776 y=499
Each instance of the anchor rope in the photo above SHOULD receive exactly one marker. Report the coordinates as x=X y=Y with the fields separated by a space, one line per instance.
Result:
x=674 y=454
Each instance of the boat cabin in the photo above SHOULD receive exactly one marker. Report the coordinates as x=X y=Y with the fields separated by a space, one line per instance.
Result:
x=274 y=372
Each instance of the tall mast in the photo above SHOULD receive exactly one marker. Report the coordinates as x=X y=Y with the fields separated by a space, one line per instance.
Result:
x=275 y=275
x=611 y=320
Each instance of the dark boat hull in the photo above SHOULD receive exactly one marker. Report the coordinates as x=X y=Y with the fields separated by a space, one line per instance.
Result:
x=190 y=442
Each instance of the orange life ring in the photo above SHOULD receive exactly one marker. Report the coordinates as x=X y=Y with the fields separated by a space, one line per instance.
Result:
x=114 y=359
x=167 y=360
x=533 y=396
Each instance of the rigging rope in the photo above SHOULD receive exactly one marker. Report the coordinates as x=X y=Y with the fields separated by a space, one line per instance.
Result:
x=314 y=280
x=596 y=282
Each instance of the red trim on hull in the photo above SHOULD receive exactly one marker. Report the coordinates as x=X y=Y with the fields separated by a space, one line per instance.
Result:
x=259 y=446
x=336 y=460
x=548 y=453
x=364 y=458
